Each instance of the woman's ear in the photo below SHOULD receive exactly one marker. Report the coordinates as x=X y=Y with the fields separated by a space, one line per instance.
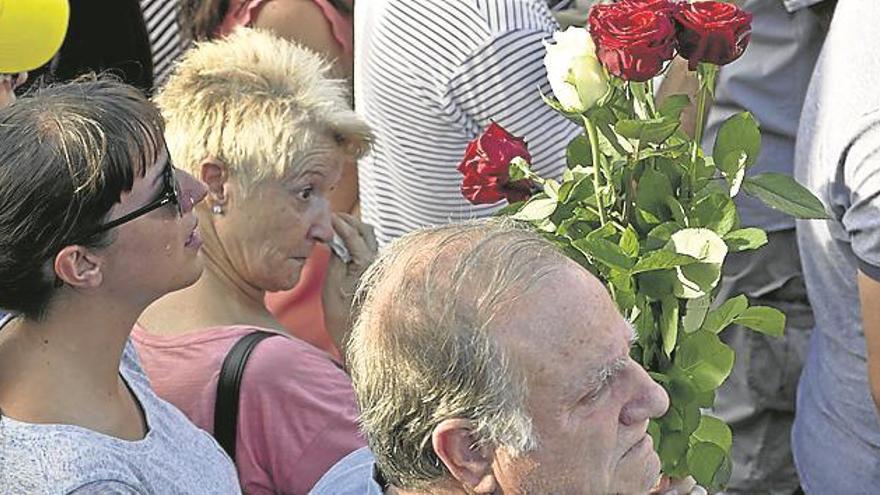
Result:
x=215 y=174
x=78 y=267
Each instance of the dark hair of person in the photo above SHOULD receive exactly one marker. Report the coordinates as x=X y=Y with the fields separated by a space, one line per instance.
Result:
x=103 y=36
x=71 y=151
x=200 y=18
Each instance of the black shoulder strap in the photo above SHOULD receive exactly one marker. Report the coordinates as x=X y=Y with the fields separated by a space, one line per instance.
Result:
x=228 y=385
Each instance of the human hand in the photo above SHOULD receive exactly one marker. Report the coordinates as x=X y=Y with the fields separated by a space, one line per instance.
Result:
x=343 y=275
x=686 y=486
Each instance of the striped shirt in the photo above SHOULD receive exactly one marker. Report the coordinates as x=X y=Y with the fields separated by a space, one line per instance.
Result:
x=429 y=77
x=163 y=30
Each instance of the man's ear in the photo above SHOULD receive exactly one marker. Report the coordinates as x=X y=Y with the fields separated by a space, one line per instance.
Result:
x=215 y=174
x=78 y=267
x=470 y=464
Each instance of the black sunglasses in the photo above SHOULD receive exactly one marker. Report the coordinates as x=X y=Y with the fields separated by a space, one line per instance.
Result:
x=170 y=193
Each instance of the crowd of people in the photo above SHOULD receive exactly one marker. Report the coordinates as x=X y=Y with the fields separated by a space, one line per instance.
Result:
x=234 y=257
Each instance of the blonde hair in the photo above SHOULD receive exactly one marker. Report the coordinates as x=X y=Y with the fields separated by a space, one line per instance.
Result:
x=423 y=349
x=255 y=102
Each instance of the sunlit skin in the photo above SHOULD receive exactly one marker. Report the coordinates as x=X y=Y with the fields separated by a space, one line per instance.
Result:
x=65 y=368
x=8 y=83
x=258 y=240
x=589 y=401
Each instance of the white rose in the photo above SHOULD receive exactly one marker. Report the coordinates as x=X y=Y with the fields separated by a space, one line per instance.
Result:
x=576 y=75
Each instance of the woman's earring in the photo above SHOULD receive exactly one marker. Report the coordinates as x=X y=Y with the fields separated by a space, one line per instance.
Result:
x=217 y=209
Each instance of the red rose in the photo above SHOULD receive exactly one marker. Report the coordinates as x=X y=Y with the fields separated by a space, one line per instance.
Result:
x=485 y=167
x=714 y=32
x=633 y=38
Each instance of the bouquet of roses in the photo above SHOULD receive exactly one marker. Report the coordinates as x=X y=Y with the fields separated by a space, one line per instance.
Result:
x=643 y=207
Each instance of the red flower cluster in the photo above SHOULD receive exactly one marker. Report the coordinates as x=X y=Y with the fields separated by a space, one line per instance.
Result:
x=634 y=38
x=485 y=168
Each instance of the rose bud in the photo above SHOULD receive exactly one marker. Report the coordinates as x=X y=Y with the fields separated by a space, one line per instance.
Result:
x=486 y=167
x=633 y=39
x=575 y=74
x=713 y=32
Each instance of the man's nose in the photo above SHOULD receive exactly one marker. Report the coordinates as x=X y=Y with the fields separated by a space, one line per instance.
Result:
x=650 y=400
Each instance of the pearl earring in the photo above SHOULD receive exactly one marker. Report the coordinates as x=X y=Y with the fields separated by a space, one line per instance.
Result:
x=217 y=210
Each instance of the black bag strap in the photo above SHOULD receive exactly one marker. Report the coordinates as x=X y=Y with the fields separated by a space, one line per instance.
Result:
x=228 y=387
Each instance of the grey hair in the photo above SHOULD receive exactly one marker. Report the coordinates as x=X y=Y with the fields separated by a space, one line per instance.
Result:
x=423 y=348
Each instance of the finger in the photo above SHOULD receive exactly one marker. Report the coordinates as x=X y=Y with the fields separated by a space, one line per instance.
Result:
x=356 y=244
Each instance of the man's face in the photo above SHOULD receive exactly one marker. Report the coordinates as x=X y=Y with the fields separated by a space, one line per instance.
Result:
x=589 y=402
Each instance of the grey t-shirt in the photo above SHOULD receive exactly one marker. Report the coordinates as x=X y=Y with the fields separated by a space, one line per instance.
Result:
x=836 y=436
x=174 y=456
x=353 y=475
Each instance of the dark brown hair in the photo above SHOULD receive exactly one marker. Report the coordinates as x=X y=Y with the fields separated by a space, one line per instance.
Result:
x=69 y=152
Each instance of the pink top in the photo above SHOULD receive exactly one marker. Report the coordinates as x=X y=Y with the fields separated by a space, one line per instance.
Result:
x=243 y=13
x=297 y=416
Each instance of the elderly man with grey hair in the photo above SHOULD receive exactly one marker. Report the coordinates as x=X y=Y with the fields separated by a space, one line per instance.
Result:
x=485 y=361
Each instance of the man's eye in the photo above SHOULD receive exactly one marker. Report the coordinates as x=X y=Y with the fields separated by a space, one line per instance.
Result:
x=306 y=192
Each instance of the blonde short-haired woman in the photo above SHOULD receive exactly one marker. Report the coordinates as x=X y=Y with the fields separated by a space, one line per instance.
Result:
x=254 y=117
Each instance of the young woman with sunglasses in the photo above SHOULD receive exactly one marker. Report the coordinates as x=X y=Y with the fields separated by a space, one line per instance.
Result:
x=95 y=224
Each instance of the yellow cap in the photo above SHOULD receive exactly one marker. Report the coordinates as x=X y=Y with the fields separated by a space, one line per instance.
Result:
x=31 y=31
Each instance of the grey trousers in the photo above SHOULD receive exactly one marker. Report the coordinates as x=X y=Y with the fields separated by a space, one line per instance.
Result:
x=758 y=399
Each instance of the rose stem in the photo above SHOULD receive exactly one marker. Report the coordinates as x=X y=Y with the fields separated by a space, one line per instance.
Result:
x=706 y=78
x=594 y=150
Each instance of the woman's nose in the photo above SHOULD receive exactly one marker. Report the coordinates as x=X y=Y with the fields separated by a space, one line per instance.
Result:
x=193 y=190
x=322 y=228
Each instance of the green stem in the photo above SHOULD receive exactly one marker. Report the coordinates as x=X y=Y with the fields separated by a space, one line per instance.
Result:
x=594 y=150
x=706 y=77
x=649 y=98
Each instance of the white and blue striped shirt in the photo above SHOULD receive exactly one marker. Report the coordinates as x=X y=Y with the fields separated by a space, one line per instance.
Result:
x=429 y=77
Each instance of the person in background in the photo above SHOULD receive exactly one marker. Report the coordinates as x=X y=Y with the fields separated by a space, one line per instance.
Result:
x=103 y=36
x=464 y=387
x=758 y=399
x=836 y=434
x=430 y=76
x=95 y=224
x=161 y=18
x=30 y=34
x=324 y=26
x=256 y=119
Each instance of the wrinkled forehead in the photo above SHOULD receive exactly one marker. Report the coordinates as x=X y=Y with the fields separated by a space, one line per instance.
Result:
x=565 y=325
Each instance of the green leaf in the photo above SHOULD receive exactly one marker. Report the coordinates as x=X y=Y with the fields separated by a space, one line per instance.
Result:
x=662 y=259
x=669 y=323
x=698 y=279
x=705 y=359
x=713 y=430
x=653 y=189
x=716 y=212
x=672 y=449
x=695 y=313
x=647 y=131
x=536 y=209
x=657 y=284
x=605 y=252
x=578 y=152
x=710 y=465
x=629 y=242
x=763 y=319
x=659 y=236
x=745 y=239
x=718 y=319
x=783 y=193
x=673 y=105
x=581 y=190
x=736 y=148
